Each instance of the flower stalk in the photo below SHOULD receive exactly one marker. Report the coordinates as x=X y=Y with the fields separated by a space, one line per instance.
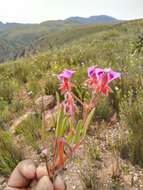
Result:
x=70 y=134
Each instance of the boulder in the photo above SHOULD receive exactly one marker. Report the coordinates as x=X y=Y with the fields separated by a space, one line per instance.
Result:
x=44 y=103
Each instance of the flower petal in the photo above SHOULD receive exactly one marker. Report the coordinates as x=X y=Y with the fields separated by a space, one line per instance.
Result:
x=91 y=71
x=65 y=74
x=99 y=73
x=112 y=75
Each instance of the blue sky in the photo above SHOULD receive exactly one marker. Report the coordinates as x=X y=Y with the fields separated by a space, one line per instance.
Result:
x=36 y=11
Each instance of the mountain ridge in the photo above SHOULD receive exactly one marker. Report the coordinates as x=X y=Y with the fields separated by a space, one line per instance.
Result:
x=93 y=19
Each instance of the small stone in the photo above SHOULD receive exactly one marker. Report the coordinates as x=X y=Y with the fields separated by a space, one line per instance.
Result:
x=45 y=102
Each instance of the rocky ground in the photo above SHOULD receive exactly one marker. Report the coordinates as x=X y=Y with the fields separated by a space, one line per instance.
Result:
x=105 y=170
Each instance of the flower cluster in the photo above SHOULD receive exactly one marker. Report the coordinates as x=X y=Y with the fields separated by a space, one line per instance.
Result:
x=65 y=88
x=70 y=134
x=98 y=82
x=99 y=79
x=64 y=77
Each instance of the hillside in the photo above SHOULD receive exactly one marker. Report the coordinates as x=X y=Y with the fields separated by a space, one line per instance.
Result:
x=15 y=37
x=58 y=39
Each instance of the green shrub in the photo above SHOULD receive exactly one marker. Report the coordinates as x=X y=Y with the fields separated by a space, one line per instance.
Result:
x=21 y=71
x=137 y=46
x=103 y=110
x=5 y=114
x=9 y=154
x=17 y=106
x=132 y=117
x=33 y=87
x=7 y=90
x=30 y=129
x=51 y=86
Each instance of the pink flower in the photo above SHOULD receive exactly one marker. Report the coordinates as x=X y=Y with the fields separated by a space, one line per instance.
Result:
x=67 y=74
x=112 y=75
x=100 y=78
x=64 y=77
x=91 y=70
x=92 y=82
x=103 y=87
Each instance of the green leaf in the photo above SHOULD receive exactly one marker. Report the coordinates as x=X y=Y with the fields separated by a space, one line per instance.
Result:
x=79 y=130
x=69 y=139
x=88 y=120
x=63 y=127
x=59 y=122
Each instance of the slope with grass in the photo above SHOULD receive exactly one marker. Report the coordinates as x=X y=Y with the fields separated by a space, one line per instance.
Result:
x=15 y=37
x=58 y=39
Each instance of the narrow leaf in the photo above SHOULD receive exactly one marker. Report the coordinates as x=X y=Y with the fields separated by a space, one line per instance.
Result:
x=79 y=129
x=88 y=120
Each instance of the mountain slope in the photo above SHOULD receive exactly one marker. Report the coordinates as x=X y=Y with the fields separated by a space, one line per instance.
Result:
x=15 y=37
x=58 y=39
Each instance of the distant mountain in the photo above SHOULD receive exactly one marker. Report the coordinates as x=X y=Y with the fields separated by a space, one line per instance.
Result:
x=93 y=19
x=71 y=20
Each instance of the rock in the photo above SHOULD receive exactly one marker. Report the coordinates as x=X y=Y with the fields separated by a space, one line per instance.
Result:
x=45 y=103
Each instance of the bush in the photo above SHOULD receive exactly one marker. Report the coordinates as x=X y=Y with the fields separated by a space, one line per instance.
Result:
x=51 y=86
x=5 y=114
x=34 y=87
x=132 y=117
x=103 y=110
x=17 y=105
x=137 y=46
x=7 y=90
x=9 y=154
x=30 y=129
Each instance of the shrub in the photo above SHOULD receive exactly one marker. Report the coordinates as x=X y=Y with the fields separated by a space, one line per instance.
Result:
x=30 y=129
x=7 y=90
x=9 y=154
x=137 y=46
x=17 y=105
x=21 y=71
x=33 y=87
x=51 y=86
x=132 y=117
x=103 y=110
x=5 y=114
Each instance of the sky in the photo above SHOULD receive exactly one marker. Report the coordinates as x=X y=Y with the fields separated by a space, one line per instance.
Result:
x=36 y=11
